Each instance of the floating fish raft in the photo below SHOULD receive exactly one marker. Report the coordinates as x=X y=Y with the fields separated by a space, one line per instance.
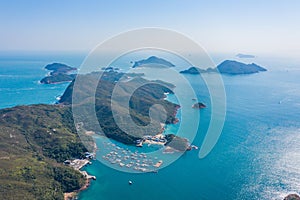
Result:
x=132 y=160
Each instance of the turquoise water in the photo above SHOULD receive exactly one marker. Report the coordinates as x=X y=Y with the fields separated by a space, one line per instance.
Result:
x=256 y=157
x=20 y=75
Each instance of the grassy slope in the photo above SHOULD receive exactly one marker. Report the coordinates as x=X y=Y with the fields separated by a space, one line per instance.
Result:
x=143 y=98
x=31 y=152
x=34 y=140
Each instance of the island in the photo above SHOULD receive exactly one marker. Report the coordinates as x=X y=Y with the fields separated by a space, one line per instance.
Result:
x=59 y=73
x=150 y=93
x=196 y=70
x=40 y=147
x=110 y=68
x=155 y=61
x=234 y=67
x=199 y=105
x=230 y=67
x=240 y=55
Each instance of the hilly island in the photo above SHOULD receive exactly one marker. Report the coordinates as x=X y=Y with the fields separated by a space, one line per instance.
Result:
x=59 y=73
x=230 y=67
x=37 y=139
x=153 y=61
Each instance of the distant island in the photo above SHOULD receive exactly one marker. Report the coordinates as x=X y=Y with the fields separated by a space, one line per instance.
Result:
x=196 y=70
x=59 y=73
x=110 y=68
x=152 y=60
x=199 y=105
x=234 y=67
x=240 y=55
x=228 y=67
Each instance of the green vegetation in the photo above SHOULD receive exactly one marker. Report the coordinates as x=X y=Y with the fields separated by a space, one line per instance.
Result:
x=33 y=142
x=59 y=68
x=36 y=139
x=59 y=73
x=147 y=94
x=58 y=78
x=178 y=143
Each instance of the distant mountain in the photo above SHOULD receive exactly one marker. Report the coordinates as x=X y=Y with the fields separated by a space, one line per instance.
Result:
x=153 y=60
x=228 y=67
x=240 y=55
x=234 y=67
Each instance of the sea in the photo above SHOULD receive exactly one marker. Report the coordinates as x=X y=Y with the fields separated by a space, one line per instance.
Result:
x=257 y=155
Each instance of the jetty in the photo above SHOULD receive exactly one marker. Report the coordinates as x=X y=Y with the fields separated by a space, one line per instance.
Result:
x=87 y=176
x=77 y=164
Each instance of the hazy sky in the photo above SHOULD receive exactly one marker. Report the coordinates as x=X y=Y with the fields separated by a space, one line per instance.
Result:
x=251 y=26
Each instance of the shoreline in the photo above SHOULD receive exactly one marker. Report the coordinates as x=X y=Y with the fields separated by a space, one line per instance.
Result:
x=54 y=83
x=80 y=164
x=74 y=194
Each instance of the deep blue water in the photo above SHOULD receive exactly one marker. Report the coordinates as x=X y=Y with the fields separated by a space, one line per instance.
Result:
x=256 y=157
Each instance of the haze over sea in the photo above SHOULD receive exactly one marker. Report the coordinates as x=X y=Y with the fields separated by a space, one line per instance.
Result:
x=256 y=157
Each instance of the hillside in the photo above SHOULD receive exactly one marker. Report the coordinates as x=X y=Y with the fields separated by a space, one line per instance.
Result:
x=59 y=73
x=152 y=92
x=34 y=140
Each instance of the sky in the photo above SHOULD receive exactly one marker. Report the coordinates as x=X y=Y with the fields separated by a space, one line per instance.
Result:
x=240 y=26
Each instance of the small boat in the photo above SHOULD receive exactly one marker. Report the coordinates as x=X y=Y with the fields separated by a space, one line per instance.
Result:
x=130 y=182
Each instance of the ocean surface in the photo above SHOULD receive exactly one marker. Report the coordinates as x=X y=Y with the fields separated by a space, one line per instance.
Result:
x=256 y=157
